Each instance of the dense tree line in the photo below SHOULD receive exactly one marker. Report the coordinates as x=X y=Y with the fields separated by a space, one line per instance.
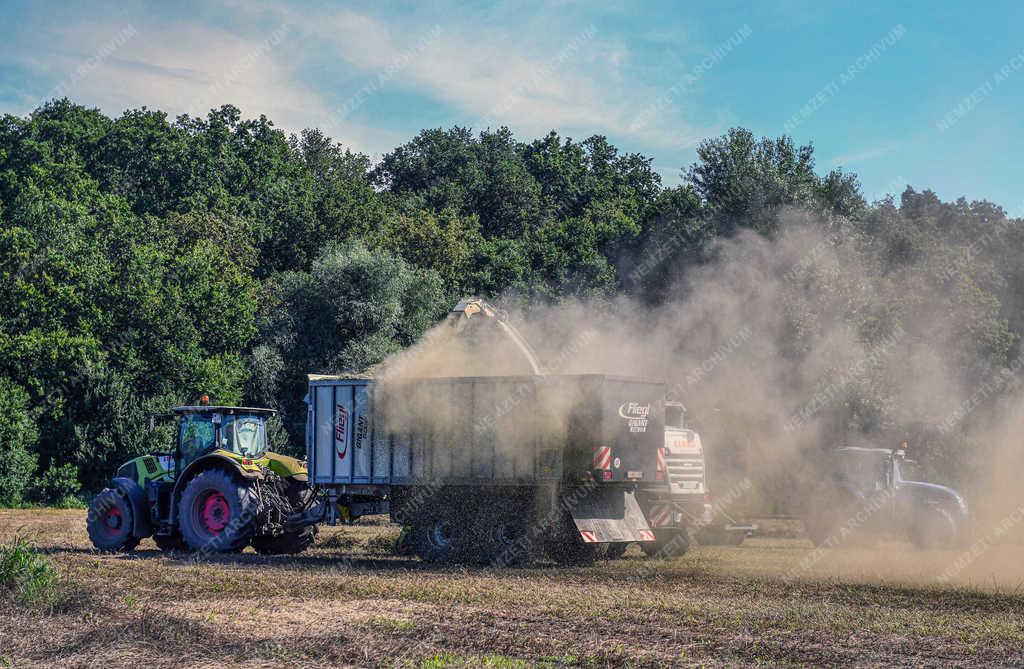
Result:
x=146 y=261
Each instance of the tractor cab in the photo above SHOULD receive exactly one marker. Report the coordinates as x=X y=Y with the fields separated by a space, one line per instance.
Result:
x=867 y=469
x=237 y=432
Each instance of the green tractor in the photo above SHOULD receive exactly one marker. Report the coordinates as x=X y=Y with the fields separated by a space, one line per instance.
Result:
x=218 y=491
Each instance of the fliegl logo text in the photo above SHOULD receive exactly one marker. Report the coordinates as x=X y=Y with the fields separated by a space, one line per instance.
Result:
x=637 y=414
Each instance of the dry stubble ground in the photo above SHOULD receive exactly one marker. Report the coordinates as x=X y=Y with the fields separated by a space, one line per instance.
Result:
x=349 y=602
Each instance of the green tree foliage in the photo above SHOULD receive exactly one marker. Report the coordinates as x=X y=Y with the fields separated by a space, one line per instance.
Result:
x=107 y=306
x=747 y=181
x=554 y=215
x=145 y=261
x=352 y=309
x=444 y=242
x=18 y=436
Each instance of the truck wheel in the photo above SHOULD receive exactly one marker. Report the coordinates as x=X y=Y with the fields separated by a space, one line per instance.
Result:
x=110 y=523
x=169 y=542
x=666 y=544
x=616 y=550
x=289 y=543
x=434 y=534
x=933 y=528
x=216 y=512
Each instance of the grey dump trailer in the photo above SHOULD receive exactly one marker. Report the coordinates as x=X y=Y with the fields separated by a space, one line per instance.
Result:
x=496 y=469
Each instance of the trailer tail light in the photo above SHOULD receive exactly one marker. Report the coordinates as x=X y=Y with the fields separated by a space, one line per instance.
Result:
x=603 y=458
x=606 y=476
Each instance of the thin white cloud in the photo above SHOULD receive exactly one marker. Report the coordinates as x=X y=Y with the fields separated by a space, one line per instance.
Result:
x=191 y=68
x=861 y=156
x=475 y=70
x=472 y=70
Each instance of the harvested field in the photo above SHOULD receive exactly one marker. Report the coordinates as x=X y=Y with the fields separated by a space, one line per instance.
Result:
x=349 y=602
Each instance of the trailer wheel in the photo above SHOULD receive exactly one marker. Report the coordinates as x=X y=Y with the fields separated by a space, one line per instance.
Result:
x=666 y=544
x=288 y=543
x=434 y=534
x=110 y=524
x=504 y=539
x=216 y=512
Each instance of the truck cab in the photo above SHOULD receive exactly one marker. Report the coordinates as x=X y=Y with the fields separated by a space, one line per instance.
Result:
x=676 y=502
x=685 y=466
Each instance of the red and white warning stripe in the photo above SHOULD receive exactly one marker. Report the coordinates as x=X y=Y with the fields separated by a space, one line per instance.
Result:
x=659 y=474
x=588 y=537
x=660 y=515
x=603 y=457
x=646 y=535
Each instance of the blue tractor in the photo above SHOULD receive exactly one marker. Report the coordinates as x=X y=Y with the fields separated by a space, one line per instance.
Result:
x=872 y=492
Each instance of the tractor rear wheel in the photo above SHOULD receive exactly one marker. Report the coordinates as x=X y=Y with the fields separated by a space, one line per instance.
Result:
x=110 y=523
x=217 y=512
x=288 y=543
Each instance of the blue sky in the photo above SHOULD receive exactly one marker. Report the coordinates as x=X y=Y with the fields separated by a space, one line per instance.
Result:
x=921 y=93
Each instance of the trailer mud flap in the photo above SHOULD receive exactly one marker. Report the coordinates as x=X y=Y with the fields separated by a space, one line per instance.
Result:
x=611 y=515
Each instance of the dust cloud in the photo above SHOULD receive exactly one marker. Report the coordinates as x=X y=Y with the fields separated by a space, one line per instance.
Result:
x=782 y=349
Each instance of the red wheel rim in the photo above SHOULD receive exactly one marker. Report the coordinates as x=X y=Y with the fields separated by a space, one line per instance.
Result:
x=112 y=522
x=214 y=512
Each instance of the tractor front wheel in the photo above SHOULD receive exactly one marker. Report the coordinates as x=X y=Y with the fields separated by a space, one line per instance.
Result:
x=110 y=524
x=217 y=512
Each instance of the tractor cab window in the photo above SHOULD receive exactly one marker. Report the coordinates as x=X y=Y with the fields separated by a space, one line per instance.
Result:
x=244 y=435
x=867 y=470
x=909 y=470
x=196 y=435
